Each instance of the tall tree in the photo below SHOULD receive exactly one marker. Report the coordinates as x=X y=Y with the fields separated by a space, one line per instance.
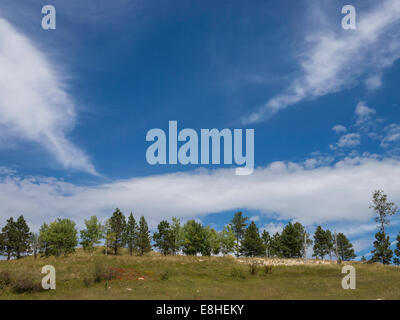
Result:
x=266 y=238
x=35 y=244
x=214 y=239
x=144 y=239
x=164 y=238
x=252 y=244
x=177 y=232
x=22 y=236
x=344 y=248
x=396 y=260
x=117 y=228
x=292 y=240
x=43 y=245
x=9 y=238
x=239 y=226
x=195 y=239
x=131 y=234
x=383 y=208
x=228 y=240
x=110 y=236
x=276 y=246
x=321 y=243
x=330 y=243
x=382 y=252
x=92 y=235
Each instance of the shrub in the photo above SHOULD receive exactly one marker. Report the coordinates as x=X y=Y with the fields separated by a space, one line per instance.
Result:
x=5 y=279
x=88 y=281
x=164 y=275
x=98 y=272
x=111 y=273
x=253 y=268
x=26 y=283
x=237 y=274
x=268 y=269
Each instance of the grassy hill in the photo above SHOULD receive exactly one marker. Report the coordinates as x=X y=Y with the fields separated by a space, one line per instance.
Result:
x=181 y=277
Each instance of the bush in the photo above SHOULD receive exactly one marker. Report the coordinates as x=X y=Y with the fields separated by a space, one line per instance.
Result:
x=88 y=281
x=102 y=273
x=253 y=268
x=98 y=272
x=268 y=269
x=237 y=274
x=111 y=273
x=164 y=275
x=5 y=279
x=26 y=283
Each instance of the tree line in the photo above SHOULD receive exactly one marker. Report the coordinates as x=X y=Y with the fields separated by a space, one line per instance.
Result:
x=238 y=237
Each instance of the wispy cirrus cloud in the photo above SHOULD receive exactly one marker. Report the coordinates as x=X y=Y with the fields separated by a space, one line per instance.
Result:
x=34 y=105
x=334 y=61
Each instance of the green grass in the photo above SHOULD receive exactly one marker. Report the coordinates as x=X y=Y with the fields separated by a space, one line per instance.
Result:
x=200 y=278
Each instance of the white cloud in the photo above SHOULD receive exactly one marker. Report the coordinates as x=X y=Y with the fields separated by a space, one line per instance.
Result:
x=283 y=191
x=392 y=135
x=255 y=218
x=336 y=61
x=33 y=103
x=339 y=128
x=363 y=112
x=349 y=140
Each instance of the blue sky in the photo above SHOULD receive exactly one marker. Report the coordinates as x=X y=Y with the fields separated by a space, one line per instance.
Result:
x=76 y=104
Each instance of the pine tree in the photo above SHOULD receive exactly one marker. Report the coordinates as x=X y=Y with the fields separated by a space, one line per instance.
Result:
x=92 y=235
x=330 y=243
x=164 y=238
x=238 y=224
x=266 y=238
x=144 y=245
x=276 y=246
x=321 y=243
x=344 y=248
x=397 y=251
x=117 y=228
x=9 y=238
x=22 y=236
x=292 y=239
x=382 y=252
x=131 y=234
x=252 y=244
x=2 y=244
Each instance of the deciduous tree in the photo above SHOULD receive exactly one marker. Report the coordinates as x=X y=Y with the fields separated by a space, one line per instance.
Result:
x=92 y=235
